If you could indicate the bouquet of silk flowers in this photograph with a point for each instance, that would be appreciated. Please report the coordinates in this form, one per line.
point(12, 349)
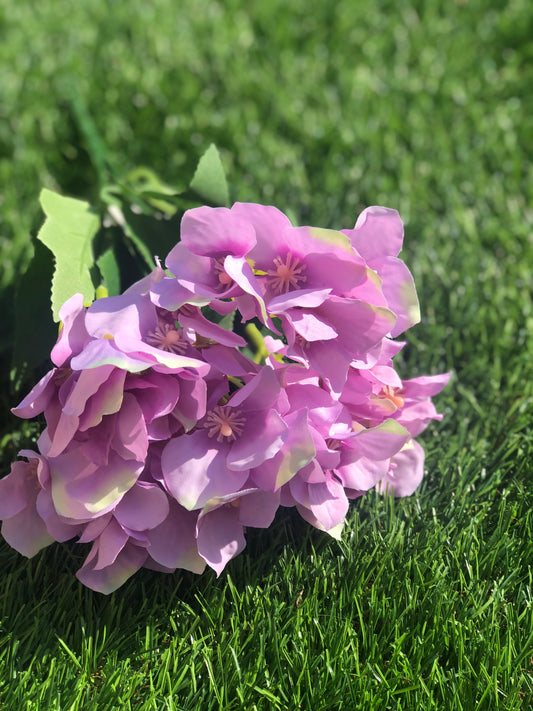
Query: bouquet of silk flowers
point(254, 371)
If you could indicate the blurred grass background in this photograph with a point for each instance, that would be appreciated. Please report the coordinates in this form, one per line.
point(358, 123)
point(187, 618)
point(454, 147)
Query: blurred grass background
point(321, 109)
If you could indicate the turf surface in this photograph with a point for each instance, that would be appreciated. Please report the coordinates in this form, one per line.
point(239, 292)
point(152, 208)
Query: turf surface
point(320, 109)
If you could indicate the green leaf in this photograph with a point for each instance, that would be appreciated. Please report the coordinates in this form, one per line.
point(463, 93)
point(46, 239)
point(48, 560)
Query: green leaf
point(84, 121)
point(159, 234)
point(109, 269)
point(35, 331)
point(117, 209)
point(149, 186)
point(68, 232)
point(209, 181)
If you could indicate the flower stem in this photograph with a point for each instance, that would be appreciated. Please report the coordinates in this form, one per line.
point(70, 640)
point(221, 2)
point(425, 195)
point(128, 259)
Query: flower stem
point(255, 338)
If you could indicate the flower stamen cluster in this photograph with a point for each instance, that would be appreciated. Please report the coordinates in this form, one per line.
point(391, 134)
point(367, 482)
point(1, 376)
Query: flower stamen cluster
point(287, 274)
point(224, 423)
point(167, 338)
point(393, 394)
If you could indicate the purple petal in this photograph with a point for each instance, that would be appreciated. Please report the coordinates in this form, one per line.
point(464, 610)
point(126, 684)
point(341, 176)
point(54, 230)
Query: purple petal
point(131, 438)
point(94, 528)
point(143, 286)
point(380, 442)
point(416, 417)
point(111, 541)
point(345, 274)
point(360, 325)
point(363, 473)
point(263, 436)
point(258, 509)
point(128, 314)
point(406, 472)
point(378, 232)
point(331, 361)
point(103, 352)
point(171, 295)
point(302, 298)
point(107, 401)
point(328, 503)
point(173, 542)
point(298, 450)
point(192, 402)
point(64, 432)
point(81, 489)
point(156, 393)
point(106, 581)
point(241, 273)
point(73, 335)
point(308, 516)
point(26, 532)
point(194, 274)
point(38, 398)
point(383, 374)
point(87, 384)
point(216, 230)
point(260, 393)
point(195, 470)
point(426, 385)
point(228, 361)
point(400, 292)
point(159, 359)
point(220, 537)
point(357, 390)
point(311, 327)
point(312, 473)
point(324, 411)
point(143, 507)
point(211, 330)
point(370, 289)
point(16, 489)
point(269, 224)
point(57, 527)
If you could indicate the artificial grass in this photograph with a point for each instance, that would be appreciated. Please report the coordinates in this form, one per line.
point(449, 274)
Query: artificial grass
point(321, 109)
point(420, 606)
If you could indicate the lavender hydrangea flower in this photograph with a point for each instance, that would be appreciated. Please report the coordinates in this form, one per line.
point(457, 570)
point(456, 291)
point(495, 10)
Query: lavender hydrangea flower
point(164, 439)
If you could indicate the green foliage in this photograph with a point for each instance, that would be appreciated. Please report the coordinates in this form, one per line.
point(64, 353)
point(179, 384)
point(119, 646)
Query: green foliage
point(110, 271)
point(209, 182)
point(32, 315)
point(138, 207)
point(68, 232)
point(321, 108)
point(111, 244)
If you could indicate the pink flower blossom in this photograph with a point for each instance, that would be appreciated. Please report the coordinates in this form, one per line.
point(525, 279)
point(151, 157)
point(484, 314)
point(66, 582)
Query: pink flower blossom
point(165, 437)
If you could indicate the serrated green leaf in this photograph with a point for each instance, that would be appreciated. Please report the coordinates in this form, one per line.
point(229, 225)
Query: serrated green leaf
point(109, 269)
point(68, 232)
point(209, 181)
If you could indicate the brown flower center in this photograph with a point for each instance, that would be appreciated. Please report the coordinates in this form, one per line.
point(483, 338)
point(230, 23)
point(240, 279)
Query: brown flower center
point(390, 393)
point(224, 423)
point(167, 338)
point(287, 274)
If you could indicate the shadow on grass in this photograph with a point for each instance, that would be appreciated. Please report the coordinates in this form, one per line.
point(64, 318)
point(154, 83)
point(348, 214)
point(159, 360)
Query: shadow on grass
point(42, 600)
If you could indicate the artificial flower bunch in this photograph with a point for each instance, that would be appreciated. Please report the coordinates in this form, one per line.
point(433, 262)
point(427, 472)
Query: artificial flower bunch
point(167, 436)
